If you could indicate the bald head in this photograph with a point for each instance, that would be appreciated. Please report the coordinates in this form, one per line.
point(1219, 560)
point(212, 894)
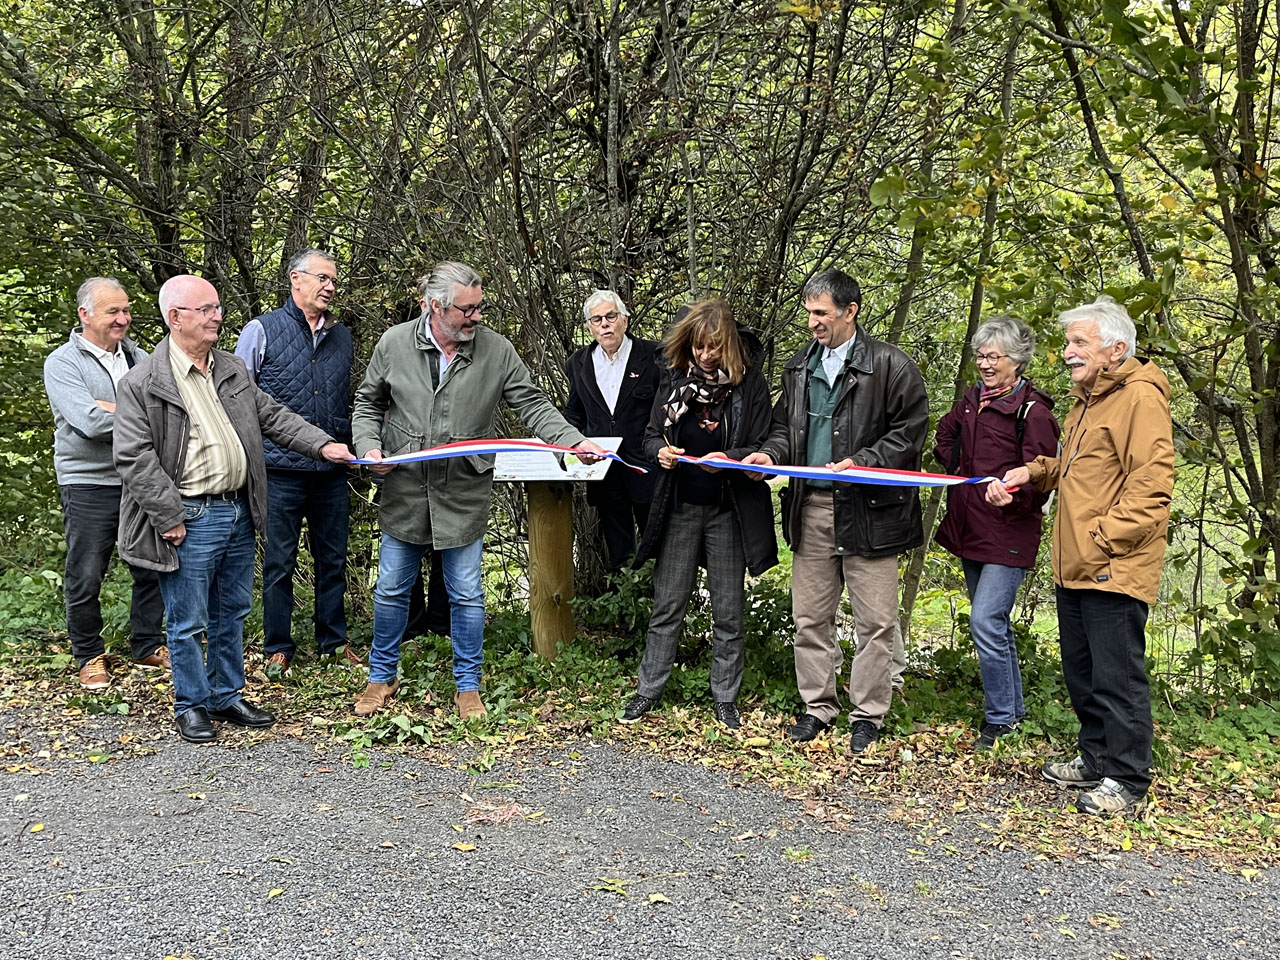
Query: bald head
point(191, 308)
point(185, 290)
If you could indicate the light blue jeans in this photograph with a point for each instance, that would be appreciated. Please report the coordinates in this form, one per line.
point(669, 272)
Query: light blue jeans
point(992, 591)
point(399, 564)
point(208, 596)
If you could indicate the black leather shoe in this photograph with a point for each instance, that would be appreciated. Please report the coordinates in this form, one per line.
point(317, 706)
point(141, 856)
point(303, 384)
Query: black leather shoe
point(807, 727)
point(194, 726)
point(243, 714)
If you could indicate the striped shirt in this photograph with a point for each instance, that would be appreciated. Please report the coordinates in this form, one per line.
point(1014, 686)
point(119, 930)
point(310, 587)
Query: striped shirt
point(216, 461)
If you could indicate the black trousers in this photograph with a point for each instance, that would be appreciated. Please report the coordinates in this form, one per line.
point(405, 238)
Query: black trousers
point(429, 608)
point(90, 522)
point(620, 516)
point(1103, 640)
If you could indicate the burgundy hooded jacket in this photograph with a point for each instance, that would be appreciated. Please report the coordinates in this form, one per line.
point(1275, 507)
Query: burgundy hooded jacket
point(972, 528)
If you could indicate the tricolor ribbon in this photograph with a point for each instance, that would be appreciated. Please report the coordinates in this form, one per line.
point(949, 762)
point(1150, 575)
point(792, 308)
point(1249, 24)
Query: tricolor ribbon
point(881, 476)
point(469, 448)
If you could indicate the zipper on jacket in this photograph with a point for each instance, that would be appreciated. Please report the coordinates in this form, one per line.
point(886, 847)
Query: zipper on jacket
point(1083, 413)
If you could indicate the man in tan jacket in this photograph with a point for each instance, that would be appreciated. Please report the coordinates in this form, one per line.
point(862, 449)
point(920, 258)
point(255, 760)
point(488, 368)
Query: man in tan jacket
point(1114, 474)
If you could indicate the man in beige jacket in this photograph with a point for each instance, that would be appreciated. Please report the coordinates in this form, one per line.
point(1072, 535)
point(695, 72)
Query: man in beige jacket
point(1114, 474)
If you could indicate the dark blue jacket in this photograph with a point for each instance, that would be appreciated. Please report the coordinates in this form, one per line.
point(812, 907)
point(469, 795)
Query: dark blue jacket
point(312, 381)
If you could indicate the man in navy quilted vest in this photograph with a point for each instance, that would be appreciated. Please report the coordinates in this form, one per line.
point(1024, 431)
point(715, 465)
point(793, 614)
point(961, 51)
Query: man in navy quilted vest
point(301, 356)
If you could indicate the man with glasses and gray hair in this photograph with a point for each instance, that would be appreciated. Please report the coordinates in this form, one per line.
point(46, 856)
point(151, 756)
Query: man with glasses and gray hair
point(612, 383)
point(438, 379)
point(1114, 477)
point(80, 378)
point(301, 356)
point(188, 446)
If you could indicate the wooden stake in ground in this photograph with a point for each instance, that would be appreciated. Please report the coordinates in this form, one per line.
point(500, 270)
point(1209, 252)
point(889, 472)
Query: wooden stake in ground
point(550, 564)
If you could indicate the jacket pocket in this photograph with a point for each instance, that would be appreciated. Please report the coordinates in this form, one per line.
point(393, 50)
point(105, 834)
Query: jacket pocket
point(398, 438)
point(891, 517)
point(784, 501)
point(471, 465)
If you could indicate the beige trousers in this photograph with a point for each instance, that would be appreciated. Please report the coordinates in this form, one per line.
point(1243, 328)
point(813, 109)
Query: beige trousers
point(819, 574)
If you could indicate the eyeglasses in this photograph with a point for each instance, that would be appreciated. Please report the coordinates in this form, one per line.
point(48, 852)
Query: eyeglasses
point(207, 311)
point(324, 278)
point(988, 357)
point(613, 316)
point(471, 311)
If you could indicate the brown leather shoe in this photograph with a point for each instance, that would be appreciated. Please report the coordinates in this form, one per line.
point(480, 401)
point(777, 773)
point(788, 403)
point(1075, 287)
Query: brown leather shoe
point(157, 659)
point(96, 674)
point(278, 663)
point(469, 704)
point(376, 696)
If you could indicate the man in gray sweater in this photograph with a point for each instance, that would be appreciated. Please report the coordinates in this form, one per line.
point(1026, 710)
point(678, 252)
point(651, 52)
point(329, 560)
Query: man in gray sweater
point(80, 378)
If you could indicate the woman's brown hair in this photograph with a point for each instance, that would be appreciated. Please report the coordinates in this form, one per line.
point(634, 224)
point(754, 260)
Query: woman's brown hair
point(711, 323)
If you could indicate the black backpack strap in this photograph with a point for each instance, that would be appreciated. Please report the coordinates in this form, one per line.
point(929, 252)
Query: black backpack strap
point(1020, 427)
point(956, 447)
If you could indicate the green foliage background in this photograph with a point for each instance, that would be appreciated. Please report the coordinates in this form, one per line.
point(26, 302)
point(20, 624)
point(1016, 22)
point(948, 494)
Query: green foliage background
point(960, 158)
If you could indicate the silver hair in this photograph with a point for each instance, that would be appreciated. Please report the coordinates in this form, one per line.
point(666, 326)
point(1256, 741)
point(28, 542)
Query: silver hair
point(439, 283)
point(1015, 338)
point(89, 290)
point(168, 296)
point(1113, 321)
point(299, 260)
point(601, 297)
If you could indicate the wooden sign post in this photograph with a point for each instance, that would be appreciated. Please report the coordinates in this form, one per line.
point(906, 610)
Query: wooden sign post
point(550, 564)
point(548, 483)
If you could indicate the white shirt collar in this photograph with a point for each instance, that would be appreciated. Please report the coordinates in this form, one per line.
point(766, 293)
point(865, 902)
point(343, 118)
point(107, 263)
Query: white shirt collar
point(98, 352)
point(620, 355)
point(841, 351)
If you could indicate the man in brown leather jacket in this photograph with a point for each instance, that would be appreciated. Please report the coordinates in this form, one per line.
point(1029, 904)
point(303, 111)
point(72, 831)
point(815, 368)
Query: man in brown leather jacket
point(847, 400)
point(1114, 477)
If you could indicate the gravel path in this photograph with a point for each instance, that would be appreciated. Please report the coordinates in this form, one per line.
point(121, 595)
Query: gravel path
point(281, 850)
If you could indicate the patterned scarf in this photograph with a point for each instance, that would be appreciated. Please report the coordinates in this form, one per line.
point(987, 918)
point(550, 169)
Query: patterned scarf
point(987, 397)
point(695, 386)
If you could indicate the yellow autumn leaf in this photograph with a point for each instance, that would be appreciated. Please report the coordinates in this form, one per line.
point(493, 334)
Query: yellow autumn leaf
point(464, 847)
point(1168, 201)
point(274, 892)
point(37, 828)
point(756, 742)
point(658, 898)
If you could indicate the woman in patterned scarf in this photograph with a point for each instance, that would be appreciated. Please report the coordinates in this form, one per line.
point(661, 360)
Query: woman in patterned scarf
point(712, 402)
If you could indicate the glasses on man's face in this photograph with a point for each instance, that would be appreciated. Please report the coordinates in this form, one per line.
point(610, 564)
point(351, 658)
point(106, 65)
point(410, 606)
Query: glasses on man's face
point(324, 278)
point(611, 317)
point(207, 311)
point(989, 357)
point(471, 311)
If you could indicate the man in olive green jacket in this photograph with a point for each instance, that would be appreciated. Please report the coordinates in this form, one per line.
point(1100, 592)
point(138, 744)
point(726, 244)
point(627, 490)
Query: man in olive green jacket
point(434, 380)
point(1114, 475)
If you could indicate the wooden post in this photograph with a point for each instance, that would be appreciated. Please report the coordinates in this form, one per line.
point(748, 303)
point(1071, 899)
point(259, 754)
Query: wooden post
point(550, 564)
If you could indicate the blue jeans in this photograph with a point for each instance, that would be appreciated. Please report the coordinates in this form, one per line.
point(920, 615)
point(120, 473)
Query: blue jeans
point(399, 564)
point(208, 597)
point(992, 590)
point(321, 497)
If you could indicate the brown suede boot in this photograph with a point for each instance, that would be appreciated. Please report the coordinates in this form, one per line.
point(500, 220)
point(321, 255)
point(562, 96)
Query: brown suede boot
point(376, 697)
point(469, 705)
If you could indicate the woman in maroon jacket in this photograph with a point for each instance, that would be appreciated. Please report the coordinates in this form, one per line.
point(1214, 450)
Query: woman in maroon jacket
point(1002, 422)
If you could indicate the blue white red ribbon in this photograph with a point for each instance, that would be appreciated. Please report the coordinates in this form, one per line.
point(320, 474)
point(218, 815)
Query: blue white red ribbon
point(880, 476)
point(471, 448)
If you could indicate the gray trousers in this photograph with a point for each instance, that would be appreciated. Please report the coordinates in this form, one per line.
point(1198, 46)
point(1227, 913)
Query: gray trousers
point(693, 531)
point(819, 575)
